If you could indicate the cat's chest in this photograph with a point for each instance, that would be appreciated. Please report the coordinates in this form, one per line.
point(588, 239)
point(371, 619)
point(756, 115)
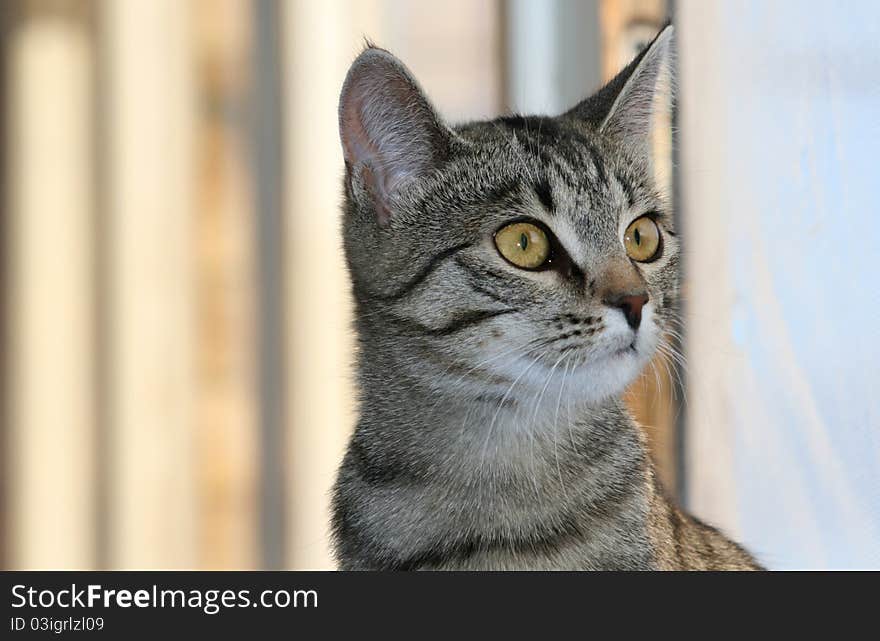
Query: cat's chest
point(443, 532)
point(571, 555)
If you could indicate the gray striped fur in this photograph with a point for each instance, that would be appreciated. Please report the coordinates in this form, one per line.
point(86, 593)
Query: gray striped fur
point(490, 431)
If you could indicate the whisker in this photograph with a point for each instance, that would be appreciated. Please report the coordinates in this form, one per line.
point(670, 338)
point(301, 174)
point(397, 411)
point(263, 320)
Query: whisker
point(520, 350)
point(568, 408)
point(534, 420)
point(556, 432)
point(544, 389)
point(501, 405)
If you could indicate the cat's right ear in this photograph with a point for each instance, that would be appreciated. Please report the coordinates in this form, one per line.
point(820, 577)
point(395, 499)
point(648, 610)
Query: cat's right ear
point(390, 132)
point(622, 109)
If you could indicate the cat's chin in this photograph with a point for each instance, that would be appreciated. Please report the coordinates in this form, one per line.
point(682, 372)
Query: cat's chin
point(608, 374)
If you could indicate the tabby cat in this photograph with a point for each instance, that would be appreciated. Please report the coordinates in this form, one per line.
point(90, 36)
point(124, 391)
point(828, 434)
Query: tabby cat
point(510, 278)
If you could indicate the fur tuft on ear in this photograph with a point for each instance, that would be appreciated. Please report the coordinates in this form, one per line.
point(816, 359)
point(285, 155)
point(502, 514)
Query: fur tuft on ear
point(622, 109)
point(390, 132)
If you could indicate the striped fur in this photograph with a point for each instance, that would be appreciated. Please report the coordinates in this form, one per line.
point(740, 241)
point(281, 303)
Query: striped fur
point(490, 434)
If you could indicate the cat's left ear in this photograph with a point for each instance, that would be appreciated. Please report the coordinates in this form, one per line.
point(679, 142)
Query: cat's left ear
point(622, 109)
point(390, 133)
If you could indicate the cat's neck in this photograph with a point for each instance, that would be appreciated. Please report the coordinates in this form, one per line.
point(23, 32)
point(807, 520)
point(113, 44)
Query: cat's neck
point(446, 474)
point(504, 433)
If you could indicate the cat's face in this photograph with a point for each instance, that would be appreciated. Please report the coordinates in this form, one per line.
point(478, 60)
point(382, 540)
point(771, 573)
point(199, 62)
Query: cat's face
point(515, 252)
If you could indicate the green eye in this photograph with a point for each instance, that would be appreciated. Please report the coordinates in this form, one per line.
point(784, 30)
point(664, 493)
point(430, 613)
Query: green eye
point(523, 244)
point(642, 239)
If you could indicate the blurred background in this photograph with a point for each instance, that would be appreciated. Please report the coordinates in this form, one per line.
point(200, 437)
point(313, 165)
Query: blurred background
point(175, 322)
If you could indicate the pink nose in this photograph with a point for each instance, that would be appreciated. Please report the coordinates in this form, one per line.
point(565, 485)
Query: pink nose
point(631, 306)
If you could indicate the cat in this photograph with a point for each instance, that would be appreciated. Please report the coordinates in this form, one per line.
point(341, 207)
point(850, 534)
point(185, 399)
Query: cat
point(510, 278)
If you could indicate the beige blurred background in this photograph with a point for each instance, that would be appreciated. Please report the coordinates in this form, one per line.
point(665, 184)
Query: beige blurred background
point(176, 344)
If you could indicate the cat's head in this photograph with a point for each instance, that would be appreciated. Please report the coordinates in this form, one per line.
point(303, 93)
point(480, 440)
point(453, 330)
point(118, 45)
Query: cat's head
point(511, 250)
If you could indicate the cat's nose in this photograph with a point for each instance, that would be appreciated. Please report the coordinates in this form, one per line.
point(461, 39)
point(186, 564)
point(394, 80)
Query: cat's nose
point(631, 306)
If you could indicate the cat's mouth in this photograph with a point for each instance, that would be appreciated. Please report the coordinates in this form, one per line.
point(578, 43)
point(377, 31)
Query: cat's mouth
point(628, 350)
point(618, 348)
point(625, 350)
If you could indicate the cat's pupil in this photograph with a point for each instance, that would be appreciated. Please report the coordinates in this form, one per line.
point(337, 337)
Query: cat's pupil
point(637, 236)
point(523, 241)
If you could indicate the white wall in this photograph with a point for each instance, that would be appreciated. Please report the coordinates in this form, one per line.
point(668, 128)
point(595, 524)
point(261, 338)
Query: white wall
point(779, 137)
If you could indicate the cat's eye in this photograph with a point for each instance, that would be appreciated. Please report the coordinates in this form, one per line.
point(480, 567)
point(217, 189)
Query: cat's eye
point(642, 239)
point(523, 244)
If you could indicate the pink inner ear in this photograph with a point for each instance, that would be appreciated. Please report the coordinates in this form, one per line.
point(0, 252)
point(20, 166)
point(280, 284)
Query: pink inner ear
point(363, 156)
point(378, 196)
point(356, 145)
point(389, 131)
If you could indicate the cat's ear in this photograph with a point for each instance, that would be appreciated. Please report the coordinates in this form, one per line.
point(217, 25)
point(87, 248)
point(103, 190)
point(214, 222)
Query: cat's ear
point(390, 132)
point(622, 109)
